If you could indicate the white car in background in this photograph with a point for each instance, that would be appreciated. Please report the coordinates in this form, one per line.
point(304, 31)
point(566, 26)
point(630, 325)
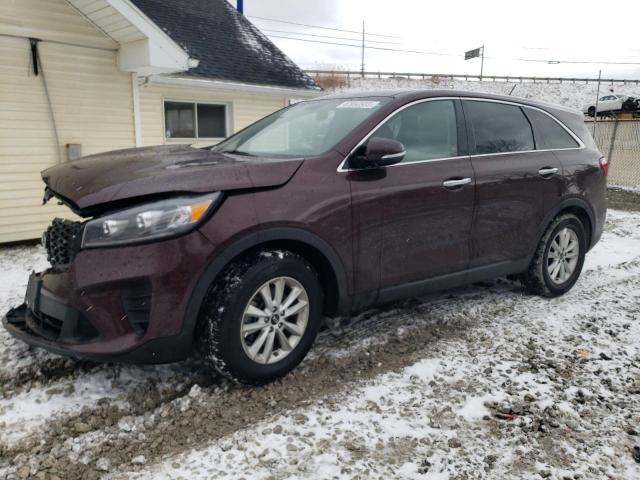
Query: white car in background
point(608, 103)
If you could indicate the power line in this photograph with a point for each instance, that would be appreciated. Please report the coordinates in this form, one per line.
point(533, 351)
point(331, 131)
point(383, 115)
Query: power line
point(318, 26)
point(367, 47)
point(585, 62)
point(422, 52)
point(330, 37)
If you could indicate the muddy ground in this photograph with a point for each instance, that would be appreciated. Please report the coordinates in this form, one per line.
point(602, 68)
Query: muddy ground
point(560, 381)
point(622, 199)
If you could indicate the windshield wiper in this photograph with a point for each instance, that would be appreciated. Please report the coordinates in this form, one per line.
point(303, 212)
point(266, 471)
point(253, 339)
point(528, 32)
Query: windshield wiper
point(238, 152)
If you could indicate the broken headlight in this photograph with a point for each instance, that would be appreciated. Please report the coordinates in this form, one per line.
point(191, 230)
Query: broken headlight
point(151, 221)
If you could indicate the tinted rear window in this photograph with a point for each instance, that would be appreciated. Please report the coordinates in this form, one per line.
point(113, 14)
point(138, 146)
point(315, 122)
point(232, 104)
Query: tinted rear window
point(549, 133)
point(499, 127)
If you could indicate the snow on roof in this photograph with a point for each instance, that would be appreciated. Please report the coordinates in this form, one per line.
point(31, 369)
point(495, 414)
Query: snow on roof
point(227, 45)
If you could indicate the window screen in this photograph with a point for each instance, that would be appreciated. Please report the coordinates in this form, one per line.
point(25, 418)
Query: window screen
point(195, 120)
point(427, 130)
point(549, 133)
point(499, 127)
point(180, 120)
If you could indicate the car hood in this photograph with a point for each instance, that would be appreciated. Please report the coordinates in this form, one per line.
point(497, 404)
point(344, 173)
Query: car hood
point(121, 175)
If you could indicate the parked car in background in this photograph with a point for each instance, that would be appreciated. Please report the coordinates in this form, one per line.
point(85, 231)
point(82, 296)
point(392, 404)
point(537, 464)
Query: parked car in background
point(606, 104)
point(321, 209)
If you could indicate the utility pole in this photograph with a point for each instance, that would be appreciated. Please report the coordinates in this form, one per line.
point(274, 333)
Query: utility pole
point(362, 64)
point(482, 63)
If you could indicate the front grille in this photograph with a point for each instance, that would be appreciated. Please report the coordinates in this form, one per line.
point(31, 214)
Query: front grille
point(62, 242)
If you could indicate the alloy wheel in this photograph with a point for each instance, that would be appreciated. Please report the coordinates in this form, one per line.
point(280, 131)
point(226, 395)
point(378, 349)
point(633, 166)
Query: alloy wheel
point(274, 320)
point(563, 256)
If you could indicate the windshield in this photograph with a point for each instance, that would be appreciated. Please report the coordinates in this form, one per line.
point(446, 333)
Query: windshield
point(304, 129)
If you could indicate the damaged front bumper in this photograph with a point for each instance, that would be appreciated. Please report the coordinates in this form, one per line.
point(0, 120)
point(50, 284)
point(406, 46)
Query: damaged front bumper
point(45, 321)
point(124, 304)
point(19, 322)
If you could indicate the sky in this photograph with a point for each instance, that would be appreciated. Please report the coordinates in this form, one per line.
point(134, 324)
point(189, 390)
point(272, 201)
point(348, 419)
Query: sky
point(546, 30)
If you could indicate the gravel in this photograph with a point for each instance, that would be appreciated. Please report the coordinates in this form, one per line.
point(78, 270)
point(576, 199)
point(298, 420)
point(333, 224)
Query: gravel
point(479, 382)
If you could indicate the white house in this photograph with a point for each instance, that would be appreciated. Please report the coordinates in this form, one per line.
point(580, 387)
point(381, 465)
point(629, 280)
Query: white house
point(84, 76)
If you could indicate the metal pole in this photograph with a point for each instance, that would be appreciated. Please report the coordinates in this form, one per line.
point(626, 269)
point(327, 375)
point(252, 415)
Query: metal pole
point(595, 114)
point(482, 63)
point(362, 66)
point(613, 139)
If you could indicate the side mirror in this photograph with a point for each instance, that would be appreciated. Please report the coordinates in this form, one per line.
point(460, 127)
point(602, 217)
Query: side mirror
point(380, 152)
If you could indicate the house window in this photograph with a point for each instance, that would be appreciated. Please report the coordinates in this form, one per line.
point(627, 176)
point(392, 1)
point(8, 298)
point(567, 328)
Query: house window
point(195, 120)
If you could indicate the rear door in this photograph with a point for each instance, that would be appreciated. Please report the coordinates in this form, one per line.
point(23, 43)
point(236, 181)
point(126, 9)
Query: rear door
point(517, 182)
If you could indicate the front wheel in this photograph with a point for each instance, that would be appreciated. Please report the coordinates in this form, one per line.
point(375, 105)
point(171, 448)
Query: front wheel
point(559, 258)
point(260, 317)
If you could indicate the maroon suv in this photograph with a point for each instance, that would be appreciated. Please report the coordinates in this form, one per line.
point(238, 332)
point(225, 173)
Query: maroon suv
point(323, 208)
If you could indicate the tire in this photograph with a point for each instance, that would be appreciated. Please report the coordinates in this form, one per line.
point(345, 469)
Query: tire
point(591, 111)
point(542, 278)
point(229, 307)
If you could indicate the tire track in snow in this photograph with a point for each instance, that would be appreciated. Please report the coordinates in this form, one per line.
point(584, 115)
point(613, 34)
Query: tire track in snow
point(444, 315)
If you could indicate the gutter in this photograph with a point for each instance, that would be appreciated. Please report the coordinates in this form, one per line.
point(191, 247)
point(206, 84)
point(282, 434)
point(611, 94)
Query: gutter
point(234, 86)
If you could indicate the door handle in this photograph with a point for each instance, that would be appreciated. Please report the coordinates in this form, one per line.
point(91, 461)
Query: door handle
point(456, 182)
point(547, 171)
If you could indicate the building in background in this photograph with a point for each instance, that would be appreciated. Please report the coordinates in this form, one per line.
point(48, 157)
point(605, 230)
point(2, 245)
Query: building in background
point(85, 76)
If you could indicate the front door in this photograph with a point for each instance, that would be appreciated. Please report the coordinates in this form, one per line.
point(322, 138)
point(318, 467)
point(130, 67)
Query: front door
point(414, 218)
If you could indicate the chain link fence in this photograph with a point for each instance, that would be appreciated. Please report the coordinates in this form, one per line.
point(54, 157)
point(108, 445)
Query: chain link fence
point(619, 141)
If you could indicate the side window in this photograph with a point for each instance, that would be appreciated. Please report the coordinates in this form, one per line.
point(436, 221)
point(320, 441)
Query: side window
point(499, 127)
point(195, 120)
point(549, 133)
point(427, 130)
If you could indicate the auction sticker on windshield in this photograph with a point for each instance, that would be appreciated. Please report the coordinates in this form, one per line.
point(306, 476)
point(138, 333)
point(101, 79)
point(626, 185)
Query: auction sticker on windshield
point(366, 104)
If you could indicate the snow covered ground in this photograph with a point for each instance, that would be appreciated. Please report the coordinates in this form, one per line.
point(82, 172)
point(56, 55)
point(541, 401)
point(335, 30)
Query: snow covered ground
point(574, 95)
point(480, 382)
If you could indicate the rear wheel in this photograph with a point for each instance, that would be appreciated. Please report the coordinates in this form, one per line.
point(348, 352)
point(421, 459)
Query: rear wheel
point(559, 258)
point(591, 111)
point(260, 317)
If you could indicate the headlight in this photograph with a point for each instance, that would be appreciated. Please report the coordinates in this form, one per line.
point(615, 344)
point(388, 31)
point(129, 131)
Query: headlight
point(151, 221)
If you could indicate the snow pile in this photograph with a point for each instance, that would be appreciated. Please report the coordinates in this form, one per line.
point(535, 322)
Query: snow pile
point(574, 95)
point(480, 382)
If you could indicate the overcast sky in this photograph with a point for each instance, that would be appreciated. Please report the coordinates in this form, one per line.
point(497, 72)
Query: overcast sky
point(547, 30)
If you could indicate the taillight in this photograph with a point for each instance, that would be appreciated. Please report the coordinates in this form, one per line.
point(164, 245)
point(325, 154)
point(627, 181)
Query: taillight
point(604, 166)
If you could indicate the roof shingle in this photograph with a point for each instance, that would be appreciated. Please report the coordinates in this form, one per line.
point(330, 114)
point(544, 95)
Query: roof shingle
point(228, 46)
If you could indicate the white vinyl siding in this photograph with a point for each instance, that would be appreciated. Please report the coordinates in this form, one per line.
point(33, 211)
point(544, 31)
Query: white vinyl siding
point(92, 104)
point(54, 20)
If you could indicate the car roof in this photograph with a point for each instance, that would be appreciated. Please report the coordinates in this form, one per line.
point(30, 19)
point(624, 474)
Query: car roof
point(411, 95)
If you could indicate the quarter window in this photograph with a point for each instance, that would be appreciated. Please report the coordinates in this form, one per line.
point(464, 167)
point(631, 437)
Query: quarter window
point(499, 127)
point(549, 133)
point(427, 130)
point(195, 120)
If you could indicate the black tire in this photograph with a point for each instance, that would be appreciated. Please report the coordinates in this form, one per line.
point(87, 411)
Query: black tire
point(591, 111)
point(218, 337)
point(537, 279)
